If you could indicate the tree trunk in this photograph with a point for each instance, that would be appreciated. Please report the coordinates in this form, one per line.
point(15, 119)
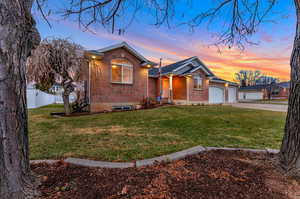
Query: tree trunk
point(68, 89)
point(18, 36)
point(66, 103)
point(290, 148)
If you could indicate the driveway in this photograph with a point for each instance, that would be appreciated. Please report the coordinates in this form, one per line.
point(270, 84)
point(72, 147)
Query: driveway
point(268, 107)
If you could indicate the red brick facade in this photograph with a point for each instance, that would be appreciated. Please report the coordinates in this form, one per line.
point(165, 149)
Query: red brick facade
point(198, 95)
point(104, 94)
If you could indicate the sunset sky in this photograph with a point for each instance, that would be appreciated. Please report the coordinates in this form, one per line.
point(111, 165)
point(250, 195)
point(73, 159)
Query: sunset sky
point(271, 55)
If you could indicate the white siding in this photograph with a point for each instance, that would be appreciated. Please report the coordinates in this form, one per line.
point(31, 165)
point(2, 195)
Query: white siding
point(250, 95)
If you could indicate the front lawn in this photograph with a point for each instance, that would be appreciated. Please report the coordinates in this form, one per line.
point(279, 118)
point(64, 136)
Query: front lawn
point(126, 136)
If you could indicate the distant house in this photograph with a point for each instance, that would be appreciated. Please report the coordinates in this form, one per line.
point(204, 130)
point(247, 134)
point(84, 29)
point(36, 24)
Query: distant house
point(280, 90)
point(260, 92)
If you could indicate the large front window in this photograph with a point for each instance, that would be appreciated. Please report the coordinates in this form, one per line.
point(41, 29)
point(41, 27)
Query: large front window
point(198, 83)
point(122, 71)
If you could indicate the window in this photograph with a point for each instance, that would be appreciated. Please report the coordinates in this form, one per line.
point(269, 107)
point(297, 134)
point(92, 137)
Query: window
point(122, 71)
point(198, 83)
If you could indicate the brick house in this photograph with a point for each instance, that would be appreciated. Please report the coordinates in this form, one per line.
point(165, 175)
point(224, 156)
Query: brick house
point(190, 82)
point(118, 77)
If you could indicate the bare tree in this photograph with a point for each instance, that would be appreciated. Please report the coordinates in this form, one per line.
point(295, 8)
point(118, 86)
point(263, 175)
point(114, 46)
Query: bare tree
point(247, 77)
point(18, 36)
point(61, 58)
point(245, 16)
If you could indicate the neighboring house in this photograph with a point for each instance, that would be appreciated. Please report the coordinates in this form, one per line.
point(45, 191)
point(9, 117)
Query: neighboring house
point(191, 82)
point(256, 92)
point(280, 90)
point(120, 77)
point(260, 92)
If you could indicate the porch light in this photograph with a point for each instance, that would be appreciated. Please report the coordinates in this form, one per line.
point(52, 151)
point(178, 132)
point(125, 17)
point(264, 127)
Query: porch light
point(149, 66)
point(114, 66)
point(226, 85)
point(93, 57)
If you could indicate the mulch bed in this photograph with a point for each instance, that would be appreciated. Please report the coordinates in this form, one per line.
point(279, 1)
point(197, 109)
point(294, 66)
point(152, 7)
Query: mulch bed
point(210, 175)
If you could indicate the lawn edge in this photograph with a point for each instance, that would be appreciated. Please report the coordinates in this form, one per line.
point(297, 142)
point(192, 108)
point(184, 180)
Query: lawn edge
point(151, 161)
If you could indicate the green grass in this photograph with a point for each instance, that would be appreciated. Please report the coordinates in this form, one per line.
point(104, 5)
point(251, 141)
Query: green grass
point(125, 136)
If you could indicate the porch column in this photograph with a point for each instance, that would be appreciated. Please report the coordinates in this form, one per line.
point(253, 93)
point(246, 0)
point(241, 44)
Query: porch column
point(187, 90)
point(170, 88)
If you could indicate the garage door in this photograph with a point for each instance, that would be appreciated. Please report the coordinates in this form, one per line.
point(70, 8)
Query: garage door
point(232, 95)
point(254, 96)
point(216, 95)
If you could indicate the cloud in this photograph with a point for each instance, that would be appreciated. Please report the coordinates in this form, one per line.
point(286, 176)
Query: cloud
point(173, 46)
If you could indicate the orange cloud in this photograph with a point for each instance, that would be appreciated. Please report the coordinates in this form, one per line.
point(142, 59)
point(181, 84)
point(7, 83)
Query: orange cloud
point(223, 64)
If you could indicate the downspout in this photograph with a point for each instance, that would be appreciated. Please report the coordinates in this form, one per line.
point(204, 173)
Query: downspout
point(160, 82)
point(90, 64)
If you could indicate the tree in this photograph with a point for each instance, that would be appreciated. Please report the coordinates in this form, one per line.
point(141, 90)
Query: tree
point(265, 80)
point(247, 77)
point(244, 20)
point(60, 59)
point(18, 37)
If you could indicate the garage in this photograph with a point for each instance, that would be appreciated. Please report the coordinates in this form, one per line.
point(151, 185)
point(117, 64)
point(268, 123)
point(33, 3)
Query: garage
point(251, 95)
point(216, 95)
point(232, 93)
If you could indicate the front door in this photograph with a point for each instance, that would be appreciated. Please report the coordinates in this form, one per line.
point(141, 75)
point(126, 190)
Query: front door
point(165, 90)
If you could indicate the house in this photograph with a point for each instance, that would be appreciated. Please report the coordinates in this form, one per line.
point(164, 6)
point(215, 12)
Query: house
point(280, 90)
point(190, 81)
point(119, 77)
point(268, 91)
point(255, 92)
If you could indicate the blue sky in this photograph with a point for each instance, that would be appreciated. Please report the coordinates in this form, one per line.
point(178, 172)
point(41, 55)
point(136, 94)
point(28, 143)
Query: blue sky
point(271, 55)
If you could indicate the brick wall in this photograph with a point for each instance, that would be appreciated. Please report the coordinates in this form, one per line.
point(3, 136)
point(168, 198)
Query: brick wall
point(104, 94)
point(153, 87)
point(198, 95)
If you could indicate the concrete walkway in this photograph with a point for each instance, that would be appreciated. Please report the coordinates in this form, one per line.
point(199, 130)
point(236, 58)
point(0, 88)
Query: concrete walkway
point(267, 107)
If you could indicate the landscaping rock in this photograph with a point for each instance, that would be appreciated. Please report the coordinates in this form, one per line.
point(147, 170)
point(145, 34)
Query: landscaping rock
point(43, 161)
point(92, 163)
point(170, 157)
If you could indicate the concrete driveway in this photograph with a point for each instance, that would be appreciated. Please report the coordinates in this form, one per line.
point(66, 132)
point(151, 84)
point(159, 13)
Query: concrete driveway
point(268, 107)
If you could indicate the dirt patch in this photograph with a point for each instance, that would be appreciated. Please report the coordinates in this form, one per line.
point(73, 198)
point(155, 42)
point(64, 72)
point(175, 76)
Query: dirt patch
point(210, 175)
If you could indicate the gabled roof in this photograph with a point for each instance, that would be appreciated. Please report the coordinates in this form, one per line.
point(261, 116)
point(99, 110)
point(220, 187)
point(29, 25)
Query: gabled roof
point(259, 87)
point(191, 64)
point(254, 87)
point(127, 47)
point(216, 79)
point(284, 84)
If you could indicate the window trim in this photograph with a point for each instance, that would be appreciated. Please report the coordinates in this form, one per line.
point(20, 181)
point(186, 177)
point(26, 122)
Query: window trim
point(122, 65)
point(200, 79)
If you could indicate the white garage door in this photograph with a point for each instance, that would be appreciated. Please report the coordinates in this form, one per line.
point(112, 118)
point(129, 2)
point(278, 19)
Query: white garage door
point(216, 95)
point(254, 96)
point(232, 95)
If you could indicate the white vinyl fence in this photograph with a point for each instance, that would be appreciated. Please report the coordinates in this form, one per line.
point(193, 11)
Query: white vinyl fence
point(37, 98)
